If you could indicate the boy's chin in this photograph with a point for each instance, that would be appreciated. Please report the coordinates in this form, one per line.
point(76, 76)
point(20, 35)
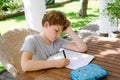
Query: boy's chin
point(53, 40)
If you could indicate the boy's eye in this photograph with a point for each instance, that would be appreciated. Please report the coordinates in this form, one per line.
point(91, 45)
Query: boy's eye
point(56, 30)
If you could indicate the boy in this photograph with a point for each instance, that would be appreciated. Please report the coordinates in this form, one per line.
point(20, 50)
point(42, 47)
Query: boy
point(37, 48)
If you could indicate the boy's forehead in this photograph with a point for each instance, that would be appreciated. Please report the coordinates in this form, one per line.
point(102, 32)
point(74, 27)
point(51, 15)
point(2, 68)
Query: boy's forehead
point(60, 27)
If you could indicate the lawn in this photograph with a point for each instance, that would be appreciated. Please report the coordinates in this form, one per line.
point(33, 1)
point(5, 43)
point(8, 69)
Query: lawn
point(1, 67)
point(70, 9)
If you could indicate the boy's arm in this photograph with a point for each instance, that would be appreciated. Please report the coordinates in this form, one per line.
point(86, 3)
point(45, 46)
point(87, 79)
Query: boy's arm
point(77, 44)
point(28, 64)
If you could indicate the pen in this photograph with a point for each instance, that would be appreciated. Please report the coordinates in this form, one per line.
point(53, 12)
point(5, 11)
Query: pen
point(64, 54)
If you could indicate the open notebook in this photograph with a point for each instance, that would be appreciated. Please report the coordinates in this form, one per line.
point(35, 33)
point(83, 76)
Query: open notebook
point(76, 59)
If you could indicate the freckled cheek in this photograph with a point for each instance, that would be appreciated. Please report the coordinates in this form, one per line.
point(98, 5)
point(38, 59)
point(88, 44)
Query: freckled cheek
point(58, 34)
point(52, 36)
point(55, 36)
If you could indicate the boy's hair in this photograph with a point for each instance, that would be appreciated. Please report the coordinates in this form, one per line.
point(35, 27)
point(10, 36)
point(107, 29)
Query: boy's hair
point(56, 18)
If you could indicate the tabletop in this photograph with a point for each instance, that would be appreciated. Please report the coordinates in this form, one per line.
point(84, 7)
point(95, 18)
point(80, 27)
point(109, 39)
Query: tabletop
point(107, 54)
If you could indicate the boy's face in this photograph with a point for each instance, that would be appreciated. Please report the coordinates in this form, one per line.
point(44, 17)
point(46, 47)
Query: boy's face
point(53, 32)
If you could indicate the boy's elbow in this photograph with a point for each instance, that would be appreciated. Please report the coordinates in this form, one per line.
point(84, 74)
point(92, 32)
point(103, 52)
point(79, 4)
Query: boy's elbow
point(84, 49)
point(25, 67)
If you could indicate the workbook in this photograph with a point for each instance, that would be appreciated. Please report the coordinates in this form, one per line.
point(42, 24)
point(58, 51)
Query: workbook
point(76, 59)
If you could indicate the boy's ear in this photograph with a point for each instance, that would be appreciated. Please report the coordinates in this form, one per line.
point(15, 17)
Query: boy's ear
point(46, 24)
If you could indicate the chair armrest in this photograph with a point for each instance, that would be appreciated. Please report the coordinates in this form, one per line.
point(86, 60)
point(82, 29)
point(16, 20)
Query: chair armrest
point(9, 67)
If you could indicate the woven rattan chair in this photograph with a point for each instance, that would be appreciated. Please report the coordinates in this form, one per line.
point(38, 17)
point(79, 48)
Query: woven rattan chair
point(10, 44)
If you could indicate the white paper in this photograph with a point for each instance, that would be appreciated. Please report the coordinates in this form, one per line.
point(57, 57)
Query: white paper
point(76, 59)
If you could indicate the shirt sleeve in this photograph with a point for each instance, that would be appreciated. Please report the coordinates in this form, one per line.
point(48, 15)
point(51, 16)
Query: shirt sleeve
point(28, 45)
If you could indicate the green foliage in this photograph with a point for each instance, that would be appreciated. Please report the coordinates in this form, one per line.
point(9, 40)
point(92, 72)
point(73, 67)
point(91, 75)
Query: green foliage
point(1, 67)
point(48, 2)
point(113, 10)
point(12, 5)
point(6, 5)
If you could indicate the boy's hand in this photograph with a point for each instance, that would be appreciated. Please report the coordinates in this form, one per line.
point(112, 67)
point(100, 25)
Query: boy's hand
point(62, 62)
point(69, 30)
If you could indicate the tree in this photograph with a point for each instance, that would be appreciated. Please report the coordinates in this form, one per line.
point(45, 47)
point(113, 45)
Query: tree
point(48, 2)
point(83, 8)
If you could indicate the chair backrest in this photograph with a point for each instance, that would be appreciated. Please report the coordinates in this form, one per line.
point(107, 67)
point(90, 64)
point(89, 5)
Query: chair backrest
point(10, 44)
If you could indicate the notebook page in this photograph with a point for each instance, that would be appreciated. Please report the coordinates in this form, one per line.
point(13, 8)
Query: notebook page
point(76, 59)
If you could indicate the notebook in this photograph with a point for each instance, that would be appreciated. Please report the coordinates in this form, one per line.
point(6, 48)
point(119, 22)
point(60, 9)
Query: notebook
point(76, 59)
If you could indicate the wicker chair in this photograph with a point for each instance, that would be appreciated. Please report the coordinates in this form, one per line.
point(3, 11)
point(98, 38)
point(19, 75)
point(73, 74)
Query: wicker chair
point(10, 44)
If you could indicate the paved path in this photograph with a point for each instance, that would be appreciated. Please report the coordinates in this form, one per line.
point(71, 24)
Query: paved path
point(5, 75)
point(89, 30)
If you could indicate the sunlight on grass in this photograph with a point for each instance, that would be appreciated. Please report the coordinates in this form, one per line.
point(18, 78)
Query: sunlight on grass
point(1, 67)
point(70, 9)
point(12, 23)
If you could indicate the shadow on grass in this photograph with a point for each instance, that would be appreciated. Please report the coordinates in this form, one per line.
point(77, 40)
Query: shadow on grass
point(80, 24)
point(59, 5)
point(77, 21)
point(92, 15)
point(17, 18)
point(71, 15)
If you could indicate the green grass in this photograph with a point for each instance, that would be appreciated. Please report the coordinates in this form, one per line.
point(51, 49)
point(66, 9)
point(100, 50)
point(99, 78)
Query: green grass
point(1, 67)
point(70, 10)
point(12, 23)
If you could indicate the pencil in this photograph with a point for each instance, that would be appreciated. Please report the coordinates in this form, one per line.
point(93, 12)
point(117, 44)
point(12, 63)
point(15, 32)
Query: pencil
point(64, 54)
